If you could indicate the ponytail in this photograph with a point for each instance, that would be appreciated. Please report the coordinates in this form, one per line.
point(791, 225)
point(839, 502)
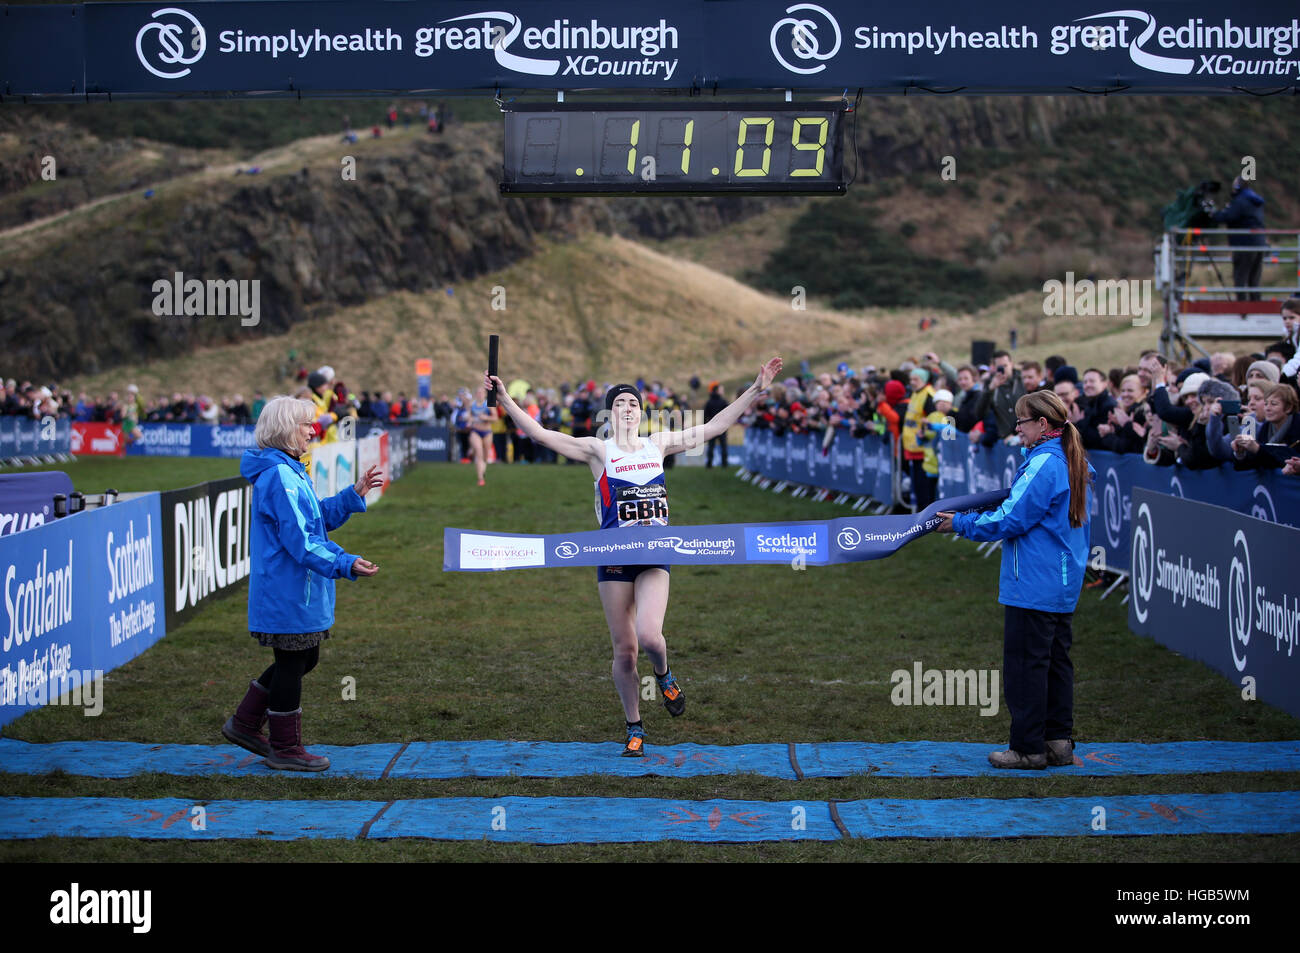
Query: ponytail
point(1076, 462)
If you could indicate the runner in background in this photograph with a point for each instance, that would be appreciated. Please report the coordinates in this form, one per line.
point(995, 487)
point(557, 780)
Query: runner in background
point(480, 430)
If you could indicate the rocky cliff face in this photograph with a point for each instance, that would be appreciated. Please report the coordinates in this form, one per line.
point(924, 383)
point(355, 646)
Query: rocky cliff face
point(423, 214)
point(898, 135)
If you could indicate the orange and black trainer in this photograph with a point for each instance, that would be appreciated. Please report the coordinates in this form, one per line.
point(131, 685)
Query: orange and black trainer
point(674, 700)
point(635, 747)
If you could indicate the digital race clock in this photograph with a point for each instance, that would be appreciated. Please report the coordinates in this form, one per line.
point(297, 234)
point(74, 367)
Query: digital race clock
point(637, 149)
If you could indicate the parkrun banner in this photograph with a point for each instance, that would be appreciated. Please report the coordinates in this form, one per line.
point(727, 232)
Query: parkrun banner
point(205, 543)
point(859, 465)
point(30, 437)
point(81, 595)
point(192, 440)
point(27, 499)
point(1219, 587)
point(851, 539)
point(279, 47)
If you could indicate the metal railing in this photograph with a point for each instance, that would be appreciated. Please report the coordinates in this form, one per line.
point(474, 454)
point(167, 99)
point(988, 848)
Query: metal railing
point(1201, 301)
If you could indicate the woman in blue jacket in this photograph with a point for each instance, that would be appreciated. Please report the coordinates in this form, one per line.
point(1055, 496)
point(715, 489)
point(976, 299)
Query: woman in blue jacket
point(1044, 527)
point(291, 582)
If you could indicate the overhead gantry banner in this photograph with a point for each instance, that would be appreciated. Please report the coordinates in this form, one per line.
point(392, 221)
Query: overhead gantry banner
point(299, 48)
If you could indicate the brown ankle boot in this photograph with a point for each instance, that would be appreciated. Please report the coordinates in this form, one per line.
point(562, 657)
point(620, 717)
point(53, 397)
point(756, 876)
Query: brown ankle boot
point(287, 752)
point(244, 727)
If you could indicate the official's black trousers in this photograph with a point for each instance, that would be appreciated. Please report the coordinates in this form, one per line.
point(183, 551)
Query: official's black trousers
point(1038, 677)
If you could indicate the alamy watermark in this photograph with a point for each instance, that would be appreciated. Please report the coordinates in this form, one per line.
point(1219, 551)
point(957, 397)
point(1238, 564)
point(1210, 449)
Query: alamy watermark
point(932, 686)
point(1110, 297)
point(189, 297)
point(82, 906)
point(659, 421)
point(30, 686)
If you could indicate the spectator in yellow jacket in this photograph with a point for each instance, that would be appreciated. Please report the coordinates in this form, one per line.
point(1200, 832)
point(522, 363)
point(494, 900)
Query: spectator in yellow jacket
point(919, 407)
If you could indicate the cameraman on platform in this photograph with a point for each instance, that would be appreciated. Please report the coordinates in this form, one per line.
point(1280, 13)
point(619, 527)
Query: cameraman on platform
point(1245, 211)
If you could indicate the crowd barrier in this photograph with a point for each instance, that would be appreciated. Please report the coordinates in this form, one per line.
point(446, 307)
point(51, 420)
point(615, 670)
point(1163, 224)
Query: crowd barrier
point(205, 543)
point(82, 595)
point(864, 466)
point(194, 440)
point(433, 443)
point(88, 592)
point(1218, 586)
point(24, 438)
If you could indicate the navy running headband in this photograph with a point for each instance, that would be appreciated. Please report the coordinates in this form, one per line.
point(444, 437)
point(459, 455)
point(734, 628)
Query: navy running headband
point(617, 389)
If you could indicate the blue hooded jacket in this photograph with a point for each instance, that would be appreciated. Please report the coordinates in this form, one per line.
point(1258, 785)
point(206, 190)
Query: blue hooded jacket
point(294, 565)
point(1043, 556)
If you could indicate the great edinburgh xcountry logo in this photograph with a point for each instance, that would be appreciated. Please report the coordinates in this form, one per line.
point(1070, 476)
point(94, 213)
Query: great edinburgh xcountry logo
point(180, 42)
point(1176, 487)
point(1113, 507)
point(1143, 560)
point(1240, 590)
point(1213, 44)
point(800, 38)
point(586, 48)
point(1118, 36)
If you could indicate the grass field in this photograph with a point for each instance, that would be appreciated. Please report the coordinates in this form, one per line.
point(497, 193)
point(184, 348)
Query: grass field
point(764, 654)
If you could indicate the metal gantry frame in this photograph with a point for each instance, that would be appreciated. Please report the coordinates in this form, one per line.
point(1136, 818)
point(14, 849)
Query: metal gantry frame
point(1197, 299)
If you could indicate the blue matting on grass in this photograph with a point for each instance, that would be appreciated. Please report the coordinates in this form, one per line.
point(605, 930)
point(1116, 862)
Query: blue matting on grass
point(548, 759)
point(911, 759)
point(553, 820)
point(545, 759)
point(1273, 812)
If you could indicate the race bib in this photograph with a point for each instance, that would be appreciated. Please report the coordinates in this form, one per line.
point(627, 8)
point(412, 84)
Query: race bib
point(642, 505)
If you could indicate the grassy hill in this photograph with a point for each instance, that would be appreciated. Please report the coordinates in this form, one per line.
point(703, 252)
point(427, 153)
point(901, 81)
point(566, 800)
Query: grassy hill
point(1043, 185)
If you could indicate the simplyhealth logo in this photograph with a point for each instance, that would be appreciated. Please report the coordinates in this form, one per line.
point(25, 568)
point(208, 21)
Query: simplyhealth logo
point(1142, 563)
point(1241, 588)
point(802, 42)
point(180, 41)
point(783, 542)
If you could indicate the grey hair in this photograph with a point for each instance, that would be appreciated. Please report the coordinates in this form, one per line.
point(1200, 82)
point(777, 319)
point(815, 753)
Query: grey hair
point(1215, 389)
point(279, 420)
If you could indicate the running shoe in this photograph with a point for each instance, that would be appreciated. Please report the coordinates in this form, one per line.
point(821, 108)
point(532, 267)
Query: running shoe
point(635, 747)
point(674, 700)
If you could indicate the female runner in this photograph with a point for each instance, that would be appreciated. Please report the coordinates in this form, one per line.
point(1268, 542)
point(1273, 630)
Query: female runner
point(480, 431)
point(630, 491)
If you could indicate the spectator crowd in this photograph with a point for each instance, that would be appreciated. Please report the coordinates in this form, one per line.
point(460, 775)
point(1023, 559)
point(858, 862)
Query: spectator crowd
point(1242, 409)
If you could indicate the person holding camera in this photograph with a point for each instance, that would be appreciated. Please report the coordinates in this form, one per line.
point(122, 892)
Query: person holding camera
point(1002, 388)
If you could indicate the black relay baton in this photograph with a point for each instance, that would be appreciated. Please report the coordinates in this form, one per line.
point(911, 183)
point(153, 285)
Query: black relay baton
point(494, 341)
